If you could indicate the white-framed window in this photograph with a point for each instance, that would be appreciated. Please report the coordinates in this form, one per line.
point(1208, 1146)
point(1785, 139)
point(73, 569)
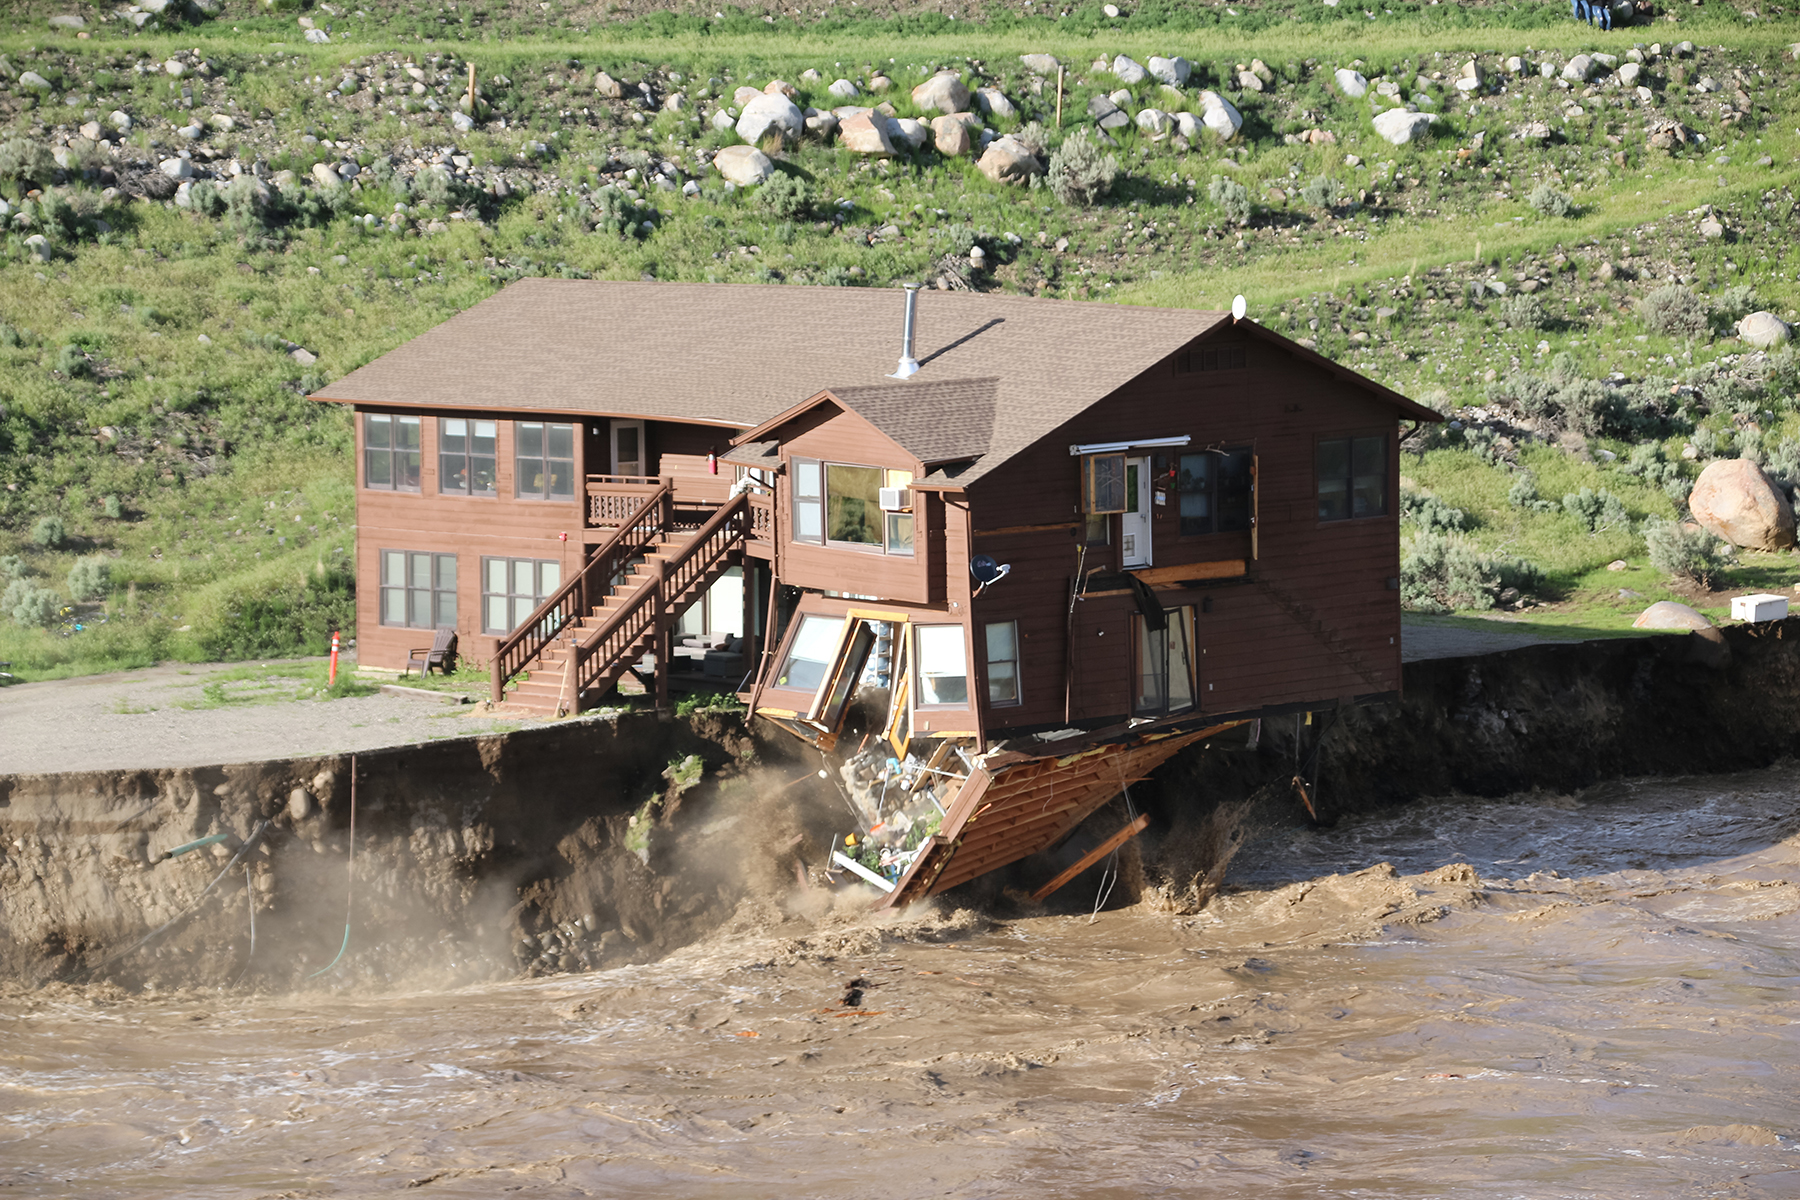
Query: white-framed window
point(810, 657)
point(418, 589)
point(512, 588)
point(839, 504)
point(466, 456)
point(1002, 644)
point(544, 457)
point(390, 452)
point(941, 655)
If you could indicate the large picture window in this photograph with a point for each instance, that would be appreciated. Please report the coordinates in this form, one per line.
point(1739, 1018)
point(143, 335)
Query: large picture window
point(943, 665)
point(1353, 477)
point(839, 504)
point(1215, 491)
point(390, 452)
point(544, 454)
point(512, 588)
point(1164, 665)
point(466, 456)
point(418, 589)
point(1003, 662)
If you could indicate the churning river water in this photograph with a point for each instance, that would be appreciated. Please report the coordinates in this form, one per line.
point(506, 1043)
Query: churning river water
point(1544, 996)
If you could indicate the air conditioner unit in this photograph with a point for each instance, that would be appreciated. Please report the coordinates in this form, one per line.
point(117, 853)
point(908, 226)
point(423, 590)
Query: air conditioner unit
point(896, 499)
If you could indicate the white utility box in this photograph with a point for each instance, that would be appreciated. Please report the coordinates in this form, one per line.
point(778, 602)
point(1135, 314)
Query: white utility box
point(1764, 606)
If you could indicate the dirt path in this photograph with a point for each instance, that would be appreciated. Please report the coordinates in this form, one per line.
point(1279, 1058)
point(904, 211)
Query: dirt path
point(164, 717)
point(1466, 637)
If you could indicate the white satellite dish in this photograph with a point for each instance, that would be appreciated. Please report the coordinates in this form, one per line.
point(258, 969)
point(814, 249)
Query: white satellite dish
point(1238, 308)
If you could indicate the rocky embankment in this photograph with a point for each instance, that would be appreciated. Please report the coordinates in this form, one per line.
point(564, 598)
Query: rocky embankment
point(569, 848)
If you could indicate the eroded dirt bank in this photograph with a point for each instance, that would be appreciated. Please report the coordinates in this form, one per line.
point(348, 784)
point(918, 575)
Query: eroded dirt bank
point(599, 844)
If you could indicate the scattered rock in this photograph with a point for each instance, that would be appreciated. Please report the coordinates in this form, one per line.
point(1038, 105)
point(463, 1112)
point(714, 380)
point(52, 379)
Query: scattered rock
point(1248, 83)
point(993, 103)
point(1188, 126)
point(33, 82)
point(865, 133)
point(1734, 500)
point(303, 356)
point(821, 125)
point(177, 168)
point(843, 89)
point(950, 135)
point(1579, 69)
point(1129, 71)
point(880, 83)
point(1154, 122)
point(318, 37)
point(1628, 74)
point(907, 130)
point(1218, 115)
point(1712, 228)
point(299, 805)
point(944, 92)
point(745, 166)
point(1618, 564)
point(39, 246)
point(1400, 127)
point(326, 176)
point(1106, 114)
point(1008, 161)
point(462, 122)
point(1764, 330)
point(1352, 83)
point(1172, 71)
point(1041, 64)
point(68, 21)
point(770, 114)
point(745, 95)
point(780, 87)
point(1710, 646)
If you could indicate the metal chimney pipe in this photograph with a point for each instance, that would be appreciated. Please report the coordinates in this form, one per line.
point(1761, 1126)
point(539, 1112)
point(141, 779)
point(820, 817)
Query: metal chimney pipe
point(909, 366)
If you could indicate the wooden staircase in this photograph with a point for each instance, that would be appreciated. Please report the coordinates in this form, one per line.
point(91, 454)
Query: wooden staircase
point(624, 604)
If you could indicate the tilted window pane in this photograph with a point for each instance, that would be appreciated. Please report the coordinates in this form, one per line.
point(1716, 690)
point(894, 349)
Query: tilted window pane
point(1181, 664)
point(853, 504)
point(1153, 666)
point(814, 647)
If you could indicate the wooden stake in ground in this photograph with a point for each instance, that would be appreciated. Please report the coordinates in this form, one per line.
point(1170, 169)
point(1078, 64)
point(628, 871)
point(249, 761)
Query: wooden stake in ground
point(1059, 90)
point(471, 89)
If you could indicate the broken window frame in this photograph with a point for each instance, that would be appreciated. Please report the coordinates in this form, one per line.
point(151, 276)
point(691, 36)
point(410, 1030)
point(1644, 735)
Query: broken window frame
point(1163, 657)
point(1103, 483)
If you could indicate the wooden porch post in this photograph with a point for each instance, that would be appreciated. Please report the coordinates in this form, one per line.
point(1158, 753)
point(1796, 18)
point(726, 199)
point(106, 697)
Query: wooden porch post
point(664, 640)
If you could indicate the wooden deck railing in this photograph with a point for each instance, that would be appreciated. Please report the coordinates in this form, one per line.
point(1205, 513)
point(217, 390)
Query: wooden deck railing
point(762, 520)
point(674, 583)
point(637, 532)
point(614, 499)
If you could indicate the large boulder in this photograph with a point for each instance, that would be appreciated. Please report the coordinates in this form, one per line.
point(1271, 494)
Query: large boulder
point(904, 131)
point(745, 166)
point(1040, 64)
point(1172, 71)
point(1008, 161)
point(865, 133)
point(1709, 645)
point(768, 114)
point(951, 135)
point(1352, 83)
point(944, 92)
point(993, 103)
point(1154, 122)
point(1579, 69)
point(1400, 127)
point(1129, 71)
point(1218, 115)
point(1734, 500)
point(1764, 330)
point(1106, 114)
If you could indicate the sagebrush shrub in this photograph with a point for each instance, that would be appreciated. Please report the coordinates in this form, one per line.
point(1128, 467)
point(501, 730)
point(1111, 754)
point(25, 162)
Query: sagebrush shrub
point(28, 604)
point(1079, 173)
point(89, 578)
point(1442, 574)
point(1547, 201)
point(1520, 311)
point(12, 567)
point(1320, 192)
point(1685, 551)
point(1736, 302)
point(1232, 197)
point(789, 197)
point(23, 159)
point(1597, 510)
point(1675, 311)
point(1432, 514)
point(49, 532)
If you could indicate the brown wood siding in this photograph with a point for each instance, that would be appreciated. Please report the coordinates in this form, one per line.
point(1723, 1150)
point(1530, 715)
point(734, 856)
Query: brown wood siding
point(470, 527)
point(1312, 622)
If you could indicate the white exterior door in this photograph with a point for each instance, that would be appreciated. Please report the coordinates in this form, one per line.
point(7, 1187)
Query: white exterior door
point(1134, 523)
point(628, 448)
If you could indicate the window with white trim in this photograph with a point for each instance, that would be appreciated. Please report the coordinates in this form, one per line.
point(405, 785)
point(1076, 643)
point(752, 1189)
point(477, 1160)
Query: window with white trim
point(544, 456)
point(941, 653)
point(1002, 639)
point(390, 452)
point(418, 589)
point(512, 588)
point(466, 456)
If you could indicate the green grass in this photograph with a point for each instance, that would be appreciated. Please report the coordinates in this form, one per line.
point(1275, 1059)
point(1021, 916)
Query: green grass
point(213, 452)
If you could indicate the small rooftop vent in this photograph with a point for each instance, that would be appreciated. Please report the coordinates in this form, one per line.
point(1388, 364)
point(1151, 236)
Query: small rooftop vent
point(909, 366)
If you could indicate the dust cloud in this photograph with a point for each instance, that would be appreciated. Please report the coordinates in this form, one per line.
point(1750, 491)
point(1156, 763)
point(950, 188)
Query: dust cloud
point(1542, 996)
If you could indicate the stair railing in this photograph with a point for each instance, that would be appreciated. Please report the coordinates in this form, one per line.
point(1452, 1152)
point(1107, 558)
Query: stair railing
point(585, 589)
point(674, 585)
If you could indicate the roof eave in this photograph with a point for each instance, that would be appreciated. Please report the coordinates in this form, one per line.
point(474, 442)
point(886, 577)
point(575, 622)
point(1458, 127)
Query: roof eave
point(1409, 408)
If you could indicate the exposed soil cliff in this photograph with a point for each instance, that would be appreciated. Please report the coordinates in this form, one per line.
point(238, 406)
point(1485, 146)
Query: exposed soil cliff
point(603, 842)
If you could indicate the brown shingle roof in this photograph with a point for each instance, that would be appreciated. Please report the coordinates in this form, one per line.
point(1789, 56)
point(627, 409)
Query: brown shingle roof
point(738, 354)
point(940, 420)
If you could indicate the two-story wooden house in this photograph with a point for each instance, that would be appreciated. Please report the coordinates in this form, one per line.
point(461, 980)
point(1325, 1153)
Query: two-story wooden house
point(1007, 567)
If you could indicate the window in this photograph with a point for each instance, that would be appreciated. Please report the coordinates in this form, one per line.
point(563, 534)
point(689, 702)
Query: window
point(512, 588)
point(1165, 665)
point(465, 457)
point(1003, 662)
point(545, 455)
point(809, 501)
point(418, 590)
point(1353, 477)
point(899, 524)
point(1103, 483)
point(853, 505)
point(943, 665)
point(814, 649)
point(391, 452)
point(1215, 491)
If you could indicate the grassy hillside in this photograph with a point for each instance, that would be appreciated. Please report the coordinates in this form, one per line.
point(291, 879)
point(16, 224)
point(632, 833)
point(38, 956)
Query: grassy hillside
point(156, 346)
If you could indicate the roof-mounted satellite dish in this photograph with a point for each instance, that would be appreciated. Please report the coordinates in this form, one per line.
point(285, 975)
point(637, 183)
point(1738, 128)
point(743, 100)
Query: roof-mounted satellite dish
point(986, 570)
point(1238, 308)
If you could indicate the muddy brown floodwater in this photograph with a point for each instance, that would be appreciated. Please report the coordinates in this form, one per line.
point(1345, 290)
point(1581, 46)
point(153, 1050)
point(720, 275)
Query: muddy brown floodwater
point(1582, 995)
